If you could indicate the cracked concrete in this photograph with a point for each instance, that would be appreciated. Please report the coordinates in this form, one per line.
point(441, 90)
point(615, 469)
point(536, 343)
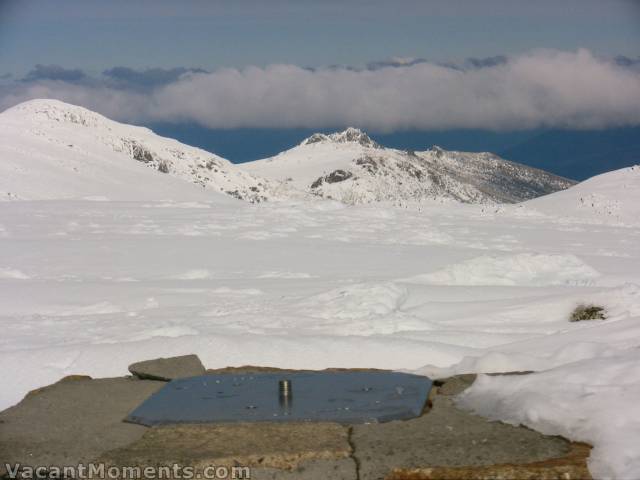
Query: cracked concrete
point(79, 420)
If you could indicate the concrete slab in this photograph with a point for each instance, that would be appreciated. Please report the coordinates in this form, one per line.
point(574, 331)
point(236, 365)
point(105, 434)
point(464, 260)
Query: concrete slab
point(294, 450)
point(572, 466)
point(167, 369)
point(447, 436)
point(78, 420)
point(344, 469)
point(72, 421)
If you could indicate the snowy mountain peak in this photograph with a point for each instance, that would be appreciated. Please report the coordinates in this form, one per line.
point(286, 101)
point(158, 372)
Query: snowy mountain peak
point(49, 110)
point(349, 135)
point(354, 135)
point(81, 152)
point(358, 170)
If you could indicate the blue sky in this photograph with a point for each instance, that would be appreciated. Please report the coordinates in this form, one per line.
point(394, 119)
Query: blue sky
point(379, 65)
point(94, 35)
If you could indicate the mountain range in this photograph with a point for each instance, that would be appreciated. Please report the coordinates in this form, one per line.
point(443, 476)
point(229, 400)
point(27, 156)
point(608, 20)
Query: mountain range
point(51, 149)
point(574, 154)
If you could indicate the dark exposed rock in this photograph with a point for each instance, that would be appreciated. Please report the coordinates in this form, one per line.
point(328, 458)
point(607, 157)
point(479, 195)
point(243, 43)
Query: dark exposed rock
point(235, 194)
point(438, 152)
point(140, 153)
point(163, 166)
point(317, 183)
point(315, 138)
point(334, 177)
point(210, 164)
point(350, 135)
point(368, 164)
point(338, 176)
point(411, 169)
point(354, 135)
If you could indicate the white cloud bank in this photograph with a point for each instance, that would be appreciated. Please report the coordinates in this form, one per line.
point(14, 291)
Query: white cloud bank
point(537, 89)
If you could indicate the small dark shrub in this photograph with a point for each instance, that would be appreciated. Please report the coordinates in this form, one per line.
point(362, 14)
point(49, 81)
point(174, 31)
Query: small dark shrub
point(587, 312)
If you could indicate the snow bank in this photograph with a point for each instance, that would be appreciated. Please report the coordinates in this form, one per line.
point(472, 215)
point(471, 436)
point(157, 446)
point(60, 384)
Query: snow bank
point(521, 269)
point(356, 301)
point(510, 361)
point(594, 401)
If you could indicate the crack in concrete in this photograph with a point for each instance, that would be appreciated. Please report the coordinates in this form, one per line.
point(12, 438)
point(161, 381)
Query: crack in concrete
point(353, 455)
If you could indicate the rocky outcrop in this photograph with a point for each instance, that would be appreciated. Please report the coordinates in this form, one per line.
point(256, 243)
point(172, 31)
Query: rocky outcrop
point(334, 177)
point(350, 135)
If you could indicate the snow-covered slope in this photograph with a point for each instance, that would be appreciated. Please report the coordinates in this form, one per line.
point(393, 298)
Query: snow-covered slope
point(350, 167)
point(90, 287)
point(50, 149)
point(613, 197)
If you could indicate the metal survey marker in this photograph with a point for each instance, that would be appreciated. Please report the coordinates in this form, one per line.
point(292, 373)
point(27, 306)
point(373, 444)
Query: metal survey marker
point(344, 397)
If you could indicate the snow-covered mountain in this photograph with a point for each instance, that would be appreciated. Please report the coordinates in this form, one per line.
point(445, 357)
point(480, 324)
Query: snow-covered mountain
point(50, 149)
point(350, 167)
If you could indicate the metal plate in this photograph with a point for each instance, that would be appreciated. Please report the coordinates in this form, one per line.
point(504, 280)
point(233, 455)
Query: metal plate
point(344, 397)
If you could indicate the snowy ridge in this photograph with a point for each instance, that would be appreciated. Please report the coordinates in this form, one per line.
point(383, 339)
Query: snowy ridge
point(69, 140)
point(612, 197)
point(350, 167)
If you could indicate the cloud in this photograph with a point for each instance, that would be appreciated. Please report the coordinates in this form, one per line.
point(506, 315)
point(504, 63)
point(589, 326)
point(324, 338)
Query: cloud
point(55, 72)
point(124, 77)
point(557, 89)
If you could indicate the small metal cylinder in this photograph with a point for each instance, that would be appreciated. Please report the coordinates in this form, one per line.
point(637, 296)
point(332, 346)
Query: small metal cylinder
point(285, 388)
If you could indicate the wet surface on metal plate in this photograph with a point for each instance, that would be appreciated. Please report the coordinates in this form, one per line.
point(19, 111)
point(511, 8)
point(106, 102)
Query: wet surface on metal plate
point(344, 397)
